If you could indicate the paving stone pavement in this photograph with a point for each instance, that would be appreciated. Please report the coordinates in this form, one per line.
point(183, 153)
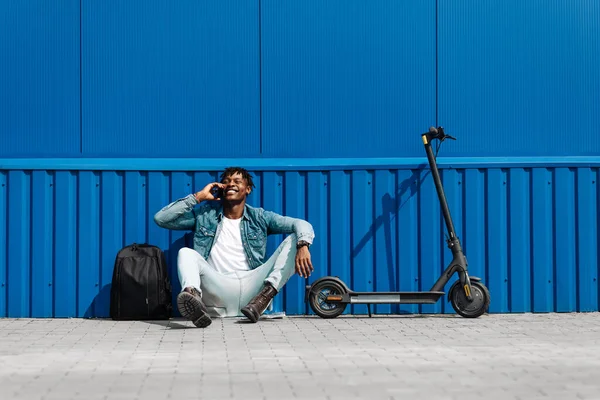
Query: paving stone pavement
point(516, 356)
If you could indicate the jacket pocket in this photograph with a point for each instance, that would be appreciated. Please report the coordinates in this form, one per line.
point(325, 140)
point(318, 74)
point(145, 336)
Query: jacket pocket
point(203, 240)
point(202, 231)
point(256, 238)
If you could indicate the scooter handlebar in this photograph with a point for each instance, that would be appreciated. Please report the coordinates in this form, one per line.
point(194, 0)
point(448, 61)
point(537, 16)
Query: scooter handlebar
point(438, 133)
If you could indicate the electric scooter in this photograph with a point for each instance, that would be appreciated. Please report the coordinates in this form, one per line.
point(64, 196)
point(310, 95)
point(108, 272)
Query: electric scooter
point(328, 296)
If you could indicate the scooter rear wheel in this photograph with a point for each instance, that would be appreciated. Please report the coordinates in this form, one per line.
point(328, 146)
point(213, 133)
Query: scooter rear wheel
point(318, 302)
point(466, 308)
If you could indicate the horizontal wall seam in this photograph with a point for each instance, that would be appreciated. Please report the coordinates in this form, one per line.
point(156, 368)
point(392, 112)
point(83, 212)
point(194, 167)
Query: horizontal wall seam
point(288, 164)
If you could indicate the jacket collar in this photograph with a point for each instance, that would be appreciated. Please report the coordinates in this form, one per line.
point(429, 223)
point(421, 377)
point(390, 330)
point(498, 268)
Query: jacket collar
point(245, 216)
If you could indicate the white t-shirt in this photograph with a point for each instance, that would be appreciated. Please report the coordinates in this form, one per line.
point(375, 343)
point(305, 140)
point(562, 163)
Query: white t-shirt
point(227, 254)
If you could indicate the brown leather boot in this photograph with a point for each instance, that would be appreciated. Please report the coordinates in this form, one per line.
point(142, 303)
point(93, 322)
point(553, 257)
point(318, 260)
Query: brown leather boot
point(190, 305)
point(259, 303)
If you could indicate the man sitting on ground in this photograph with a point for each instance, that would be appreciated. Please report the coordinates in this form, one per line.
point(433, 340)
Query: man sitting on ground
point(227, 273)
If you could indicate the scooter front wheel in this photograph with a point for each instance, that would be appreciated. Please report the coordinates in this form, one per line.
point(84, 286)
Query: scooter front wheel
point(466, 308)
point(318, 299)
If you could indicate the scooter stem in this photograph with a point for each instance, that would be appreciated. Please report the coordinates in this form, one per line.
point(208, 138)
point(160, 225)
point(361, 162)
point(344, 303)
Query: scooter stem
point(438, 184)
point(459, 261)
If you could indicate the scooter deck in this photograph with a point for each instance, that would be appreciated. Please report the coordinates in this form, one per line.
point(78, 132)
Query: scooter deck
point(387, 297)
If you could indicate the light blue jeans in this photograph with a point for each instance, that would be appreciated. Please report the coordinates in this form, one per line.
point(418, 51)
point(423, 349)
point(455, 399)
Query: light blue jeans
point(225, 294)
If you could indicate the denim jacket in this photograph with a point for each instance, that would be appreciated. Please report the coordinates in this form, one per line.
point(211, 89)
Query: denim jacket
point(256, 224)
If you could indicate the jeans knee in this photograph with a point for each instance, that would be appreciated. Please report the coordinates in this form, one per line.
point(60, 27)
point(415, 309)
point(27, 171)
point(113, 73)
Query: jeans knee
point(183, 253)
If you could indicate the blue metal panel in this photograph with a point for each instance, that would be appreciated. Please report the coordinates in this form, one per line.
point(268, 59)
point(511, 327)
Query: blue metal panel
point(65, 244)
point(180, 187)
point(255, 198)
point(384, 230)
point(39, 77)
point(587, 239)
point(112, 239)
point(158, 197)
point(295, 206)
point(519, 250)
point(430, 239)
point(42, 237)
point(135, 207)
point(408, 184)
point(497, 239)
point(3, 244)
point(272, 194)
point(349, 78)
point(474, 236)
point(340, 219)
point(163, 78)
point(542, 244)
point(319, 214)
point(362, 235)
point(519, 77)
point(18, 243)
point(453, 185)
point(565, 247)
point(88, 251)
point(159, 194)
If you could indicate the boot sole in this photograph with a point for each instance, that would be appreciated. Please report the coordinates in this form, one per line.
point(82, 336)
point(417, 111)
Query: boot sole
point(249, 314)
point(191, 308)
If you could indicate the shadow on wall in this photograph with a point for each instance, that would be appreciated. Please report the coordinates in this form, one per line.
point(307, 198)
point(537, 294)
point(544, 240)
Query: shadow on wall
point(390, 207)
point(100, 306)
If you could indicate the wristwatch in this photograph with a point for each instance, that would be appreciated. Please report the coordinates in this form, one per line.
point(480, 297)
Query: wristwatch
point(302, 243)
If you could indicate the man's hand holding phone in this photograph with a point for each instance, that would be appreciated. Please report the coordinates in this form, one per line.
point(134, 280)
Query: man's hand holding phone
point(212, 191)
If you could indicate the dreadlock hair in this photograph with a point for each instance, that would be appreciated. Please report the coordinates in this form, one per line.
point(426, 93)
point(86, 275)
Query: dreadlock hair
point(242, 171)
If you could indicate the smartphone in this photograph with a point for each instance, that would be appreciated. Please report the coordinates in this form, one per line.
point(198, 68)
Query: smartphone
point(217, 192)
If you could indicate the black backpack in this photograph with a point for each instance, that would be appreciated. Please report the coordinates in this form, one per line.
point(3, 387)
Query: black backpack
point(141, 289)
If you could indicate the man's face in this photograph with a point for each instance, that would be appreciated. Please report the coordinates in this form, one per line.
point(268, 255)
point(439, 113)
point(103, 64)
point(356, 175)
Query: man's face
point(236, 188)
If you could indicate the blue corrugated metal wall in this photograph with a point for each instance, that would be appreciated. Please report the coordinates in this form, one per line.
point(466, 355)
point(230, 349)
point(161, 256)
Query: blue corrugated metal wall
point(530, 232)
point(39, 78)
point(303, 79)
point(520, 77)
point(297, 78)
point(347, 78)
point(170, 79)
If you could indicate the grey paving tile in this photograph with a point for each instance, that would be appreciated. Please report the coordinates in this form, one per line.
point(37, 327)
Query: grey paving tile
point(522, 356)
